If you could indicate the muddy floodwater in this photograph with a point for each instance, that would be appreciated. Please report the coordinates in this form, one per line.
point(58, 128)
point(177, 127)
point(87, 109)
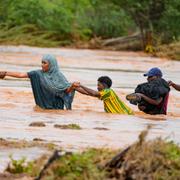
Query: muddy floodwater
point(99, 129)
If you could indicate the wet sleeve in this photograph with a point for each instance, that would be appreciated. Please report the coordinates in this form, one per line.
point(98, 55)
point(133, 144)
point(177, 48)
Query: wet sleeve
point(31, 74)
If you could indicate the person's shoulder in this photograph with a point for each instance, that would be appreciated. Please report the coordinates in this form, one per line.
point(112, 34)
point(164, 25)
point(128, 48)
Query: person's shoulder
point(143, 84)
point(108, 91)
point(104, 92)
point(163, 82)
point(112, 92)
point(34, 72)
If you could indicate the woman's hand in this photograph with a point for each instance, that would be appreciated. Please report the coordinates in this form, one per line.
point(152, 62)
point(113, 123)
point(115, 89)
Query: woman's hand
point(2, 74)
point(76, 84)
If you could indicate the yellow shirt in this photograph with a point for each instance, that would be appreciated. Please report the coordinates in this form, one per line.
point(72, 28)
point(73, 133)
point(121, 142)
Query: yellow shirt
point(112, 103)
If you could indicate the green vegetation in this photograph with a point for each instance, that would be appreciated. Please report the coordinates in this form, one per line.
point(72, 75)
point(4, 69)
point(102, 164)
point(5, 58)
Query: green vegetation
point(19, 166)
point(157, 20)
point(87, 165)
point(156, 159)
point(59, 22)
point(75, 22)
point(67, 126)
point(153, 159)
point(22, 166)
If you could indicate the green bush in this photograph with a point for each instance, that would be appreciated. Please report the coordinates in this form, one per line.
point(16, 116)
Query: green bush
point(80, 166)
point(69, 21)
point(19, 166)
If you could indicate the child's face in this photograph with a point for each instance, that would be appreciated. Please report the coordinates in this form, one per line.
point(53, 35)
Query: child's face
point(100, 86)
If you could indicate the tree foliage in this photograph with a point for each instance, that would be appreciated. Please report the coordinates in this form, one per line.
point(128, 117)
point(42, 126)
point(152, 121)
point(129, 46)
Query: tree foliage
point(160, 17)
point(83, 19)
point(68, 17)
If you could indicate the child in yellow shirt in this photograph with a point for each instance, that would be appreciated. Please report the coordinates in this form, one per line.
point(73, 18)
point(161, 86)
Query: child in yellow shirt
point(112, 103)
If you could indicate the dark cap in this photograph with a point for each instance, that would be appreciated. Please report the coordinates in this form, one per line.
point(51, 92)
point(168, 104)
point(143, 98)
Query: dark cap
point(154, 72)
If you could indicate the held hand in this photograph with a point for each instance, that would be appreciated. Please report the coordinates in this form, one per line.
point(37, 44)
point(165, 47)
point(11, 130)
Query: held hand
point(2, 74)
point(170, 83)
point(76, 84)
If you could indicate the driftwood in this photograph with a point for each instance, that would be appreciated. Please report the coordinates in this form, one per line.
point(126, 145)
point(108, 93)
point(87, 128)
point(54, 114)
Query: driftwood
point(132, 42)
point(119, 40)
point(118, 159)
point(56, 155)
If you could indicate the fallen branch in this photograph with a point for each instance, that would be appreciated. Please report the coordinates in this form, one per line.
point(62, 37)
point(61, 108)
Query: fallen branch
point(56, 155)
point(120, 40)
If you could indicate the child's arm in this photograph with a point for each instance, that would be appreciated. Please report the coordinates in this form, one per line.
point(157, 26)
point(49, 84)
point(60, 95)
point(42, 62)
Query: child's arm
point(81, 90)
point(76, 86)
point(90, 92)
point(84, 90)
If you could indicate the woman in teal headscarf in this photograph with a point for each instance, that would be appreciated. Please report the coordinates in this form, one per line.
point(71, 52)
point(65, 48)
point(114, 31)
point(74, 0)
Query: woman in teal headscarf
point(50, 87)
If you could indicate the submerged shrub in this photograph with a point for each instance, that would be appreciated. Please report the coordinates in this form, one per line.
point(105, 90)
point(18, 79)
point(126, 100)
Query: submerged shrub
point(19, 166)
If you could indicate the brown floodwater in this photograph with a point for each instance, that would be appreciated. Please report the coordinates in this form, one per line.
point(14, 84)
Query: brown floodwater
point(99, 129)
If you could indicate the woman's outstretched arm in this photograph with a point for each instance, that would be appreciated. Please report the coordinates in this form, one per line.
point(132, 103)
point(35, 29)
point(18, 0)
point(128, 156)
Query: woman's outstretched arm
point(16, 74)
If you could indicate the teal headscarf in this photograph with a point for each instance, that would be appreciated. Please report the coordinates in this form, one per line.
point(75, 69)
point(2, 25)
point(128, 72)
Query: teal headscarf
point(49, 87)
point(55, 80)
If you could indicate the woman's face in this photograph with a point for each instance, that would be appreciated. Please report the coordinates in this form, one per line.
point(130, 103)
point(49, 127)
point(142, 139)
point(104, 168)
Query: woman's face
point(45, 65)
